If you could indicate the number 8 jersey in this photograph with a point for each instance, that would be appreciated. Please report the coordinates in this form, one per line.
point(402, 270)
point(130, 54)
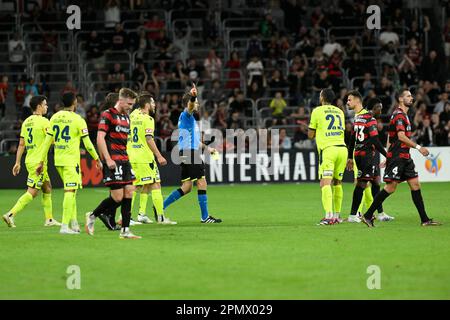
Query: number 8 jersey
point(328, 121)
point(67, 128)
point(142, 126)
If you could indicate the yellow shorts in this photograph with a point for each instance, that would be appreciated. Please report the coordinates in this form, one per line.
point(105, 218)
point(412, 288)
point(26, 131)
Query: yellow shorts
point(71, 177)
point(36, 181)
point(146, 173)
point(332, 162)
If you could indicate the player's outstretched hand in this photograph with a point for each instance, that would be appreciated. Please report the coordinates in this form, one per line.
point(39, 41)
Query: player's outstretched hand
point(424, 151)
point(16, 169)
point(40, 168)
point(111, 164)
point(350, 164)
point(162, 161)
point(99, 164)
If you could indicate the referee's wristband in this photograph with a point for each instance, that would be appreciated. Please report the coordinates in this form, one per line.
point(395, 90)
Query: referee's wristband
point(418, 146)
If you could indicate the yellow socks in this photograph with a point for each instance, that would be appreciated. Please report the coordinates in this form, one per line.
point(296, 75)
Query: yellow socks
point(338, 195)
point(74, 209)
point(132, 201)
point(47, 205)
point(23, 201)
point(327, 201)
point(143, 197)
point(158, 201)
point(68, 206)
point(367, 198)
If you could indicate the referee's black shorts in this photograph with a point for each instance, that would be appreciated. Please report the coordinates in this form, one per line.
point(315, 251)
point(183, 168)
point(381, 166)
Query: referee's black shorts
point(192, 165)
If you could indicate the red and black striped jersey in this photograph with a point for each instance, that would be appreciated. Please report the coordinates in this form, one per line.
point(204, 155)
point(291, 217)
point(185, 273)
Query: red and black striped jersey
point(117, 128)
point(399, 122)
point(364, 127)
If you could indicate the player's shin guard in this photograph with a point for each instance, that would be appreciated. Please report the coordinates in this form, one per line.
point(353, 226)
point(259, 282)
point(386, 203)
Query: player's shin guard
point(143, 198)
point(158, 204)
point(418, 202)
point(203, 202)
point(126, 212)
point(357, 200)
point(377, 201)
point(68, 206)
point(47, 205)
point(23, 201)
point(375, 190)
point(174, 196)
point(367, 197)
point(338, 194)
point(327, 201)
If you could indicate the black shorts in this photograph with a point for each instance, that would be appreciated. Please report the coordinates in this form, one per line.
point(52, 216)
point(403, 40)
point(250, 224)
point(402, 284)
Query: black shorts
point(119, 177)
point(368, 167)
point(192, 166)
point(399, 169)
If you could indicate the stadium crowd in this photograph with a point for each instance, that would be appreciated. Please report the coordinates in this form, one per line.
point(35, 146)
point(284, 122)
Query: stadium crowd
point(411, 50)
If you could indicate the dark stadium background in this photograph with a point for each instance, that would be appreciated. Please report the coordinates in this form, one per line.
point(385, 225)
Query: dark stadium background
point(241, 53)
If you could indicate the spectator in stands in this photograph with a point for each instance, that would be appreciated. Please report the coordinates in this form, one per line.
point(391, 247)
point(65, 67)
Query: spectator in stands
point(321, 81)
point(384, 91)
point(255, 71)
point(414, 52)
point(353, 48)
point(277, 81)
point(165, 126)
point(444, 116)
point(267, 27)
point(213, 65)
point(153, 27)
point(355, 66)
point(235, 122)
point(297, 78)
point(389, 55)
point(139, 75)
point(255, 92)
point(388, 36)
point(95, 50)
point(278, 104)
point(175, 108)
point(142, 45)
point(112, 14)
point(234, 75)
point(215, 94)
point(318, 60)
point(318, 18)
point(446, 38)
point(300, 116)
point(273, 51)
point(416, 32)
point(68, 87)
point(300, 139)
point(241, 106)
point(424, 134)
point(210, 30)
point(431, 68)
point(3, 95)
point(367, 84)
point(254, 47)
point(119, 39)
point(178, 77)
point(205, 122)
point(16, 50)
point(19, 96)
point(334, 70)
point(330, 47)
point(81, 106)
point(49, 41)
point(407, 72)
point(443, 100)
point(43, 87)
point(285, 141)
point(164, 46)
point(116, 77)
point(92, 120)
point(220, 121)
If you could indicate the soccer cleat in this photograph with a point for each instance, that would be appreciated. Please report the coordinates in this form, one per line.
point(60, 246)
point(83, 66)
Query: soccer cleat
point(134, 223)
point(368, 222)
point(128, 235)
point(106, 221)
point(353, 219)
point(166, 221)
point(75, 226)
point(143, 218)
point(326, 222)
point(384, 217)
point(51, 223)
point(211, 219)
point(431, 223)
point(9, 220)
point(66, 230)
point(90, 222)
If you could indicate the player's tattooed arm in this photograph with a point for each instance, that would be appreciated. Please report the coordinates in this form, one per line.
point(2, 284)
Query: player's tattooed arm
point(20, 151)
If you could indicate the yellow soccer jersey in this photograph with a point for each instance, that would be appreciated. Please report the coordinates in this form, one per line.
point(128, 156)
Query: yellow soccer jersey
point(33, 132)
point(67, 129)
point(141, 126)
point(329, 123)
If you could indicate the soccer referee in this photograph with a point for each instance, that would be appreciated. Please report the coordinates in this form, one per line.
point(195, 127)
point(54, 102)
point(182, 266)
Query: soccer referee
point(192, 165)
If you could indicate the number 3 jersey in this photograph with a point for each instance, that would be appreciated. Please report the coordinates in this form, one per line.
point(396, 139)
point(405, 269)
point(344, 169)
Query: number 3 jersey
point(67, 128)
point(142, 126)
point(364, 128)
point(33, 132)
point(117, 127)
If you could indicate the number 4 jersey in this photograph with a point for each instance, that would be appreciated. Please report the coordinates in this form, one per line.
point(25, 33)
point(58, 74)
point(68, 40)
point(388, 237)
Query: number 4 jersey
point(33, 132)
point(67, 129)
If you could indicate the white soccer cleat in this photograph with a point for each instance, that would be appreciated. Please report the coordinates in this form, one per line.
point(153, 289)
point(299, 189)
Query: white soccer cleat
point(75, 226)
point(384, 217)
point(128, 235)
point(144, 219)
point(353, 219)
point(164, 220)
point(66, 230)
point(52, 223)
point(134, 223)
point(9, 220)
point(90, 222)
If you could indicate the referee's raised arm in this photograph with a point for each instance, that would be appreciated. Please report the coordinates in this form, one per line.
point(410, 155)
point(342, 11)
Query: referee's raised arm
point(191, 104)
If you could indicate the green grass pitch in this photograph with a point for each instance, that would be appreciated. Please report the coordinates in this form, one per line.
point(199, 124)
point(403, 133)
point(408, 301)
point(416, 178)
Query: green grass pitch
point(268, 247)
